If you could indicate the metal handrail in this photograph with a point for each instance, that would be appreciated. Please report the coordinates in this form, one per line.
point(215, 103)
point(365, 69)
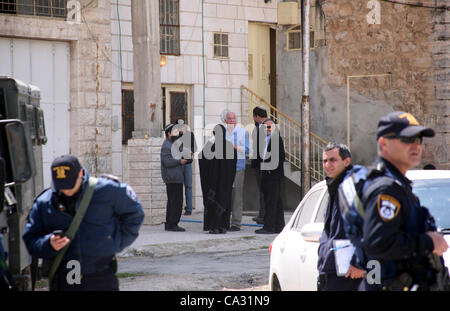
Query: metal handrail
point(290, 131)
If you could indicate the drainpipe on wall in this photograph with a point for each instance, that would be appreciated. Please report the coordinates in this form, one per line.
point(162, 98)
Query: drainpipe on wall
point(204, 74)
point(305, 105)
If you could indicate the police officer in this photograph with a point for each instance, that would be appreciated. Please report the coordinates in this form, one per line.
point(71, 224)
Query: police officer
point(398, 234)
point(111, 223)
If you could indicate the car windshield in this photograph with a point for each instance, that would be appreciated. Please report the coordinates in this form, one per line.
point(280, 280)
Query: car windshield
point(435, 195)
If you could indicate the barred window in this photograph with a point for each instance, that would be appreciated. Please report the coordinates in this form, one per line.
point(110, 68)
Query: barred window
point(127, 114)
point(294, 38)
point(169, 20)
point(49, 8)
point(221, 45)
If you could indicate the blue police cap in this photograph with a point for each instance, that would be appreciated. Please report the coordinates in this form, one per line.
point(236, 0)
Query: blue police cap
point(402, 124)
point(65, 170)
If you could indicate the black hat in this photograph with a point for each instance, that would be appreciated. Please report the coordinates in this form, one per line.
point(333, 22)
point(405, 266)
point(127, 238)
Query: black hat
point(168, 128)
point(402, 124)
point(65, 170)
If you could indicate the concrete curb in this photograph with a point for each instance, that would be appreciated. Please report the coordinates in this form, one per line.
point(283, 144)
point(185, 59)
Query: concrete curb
point(201, 246)
point(155, 242)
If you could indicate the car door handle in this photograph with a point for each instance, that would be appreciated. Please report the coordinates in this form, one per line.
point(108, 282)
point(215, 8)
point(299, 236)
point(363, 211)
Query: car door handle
point(283, 247)
point(303, 254)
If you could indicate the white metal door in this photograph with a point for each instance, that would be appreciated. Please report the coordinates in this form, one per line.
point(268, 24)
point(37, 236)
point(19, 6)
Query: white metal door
point(45, 64)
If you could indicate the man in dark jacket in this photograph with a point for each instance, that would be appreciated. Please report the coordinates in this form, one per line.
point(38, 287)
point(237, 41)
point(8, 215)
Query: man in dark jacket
point(217, 164)
point(111, 223)
point(173, 177)
point(336, 163)
point(272, 171)
point(259, 116)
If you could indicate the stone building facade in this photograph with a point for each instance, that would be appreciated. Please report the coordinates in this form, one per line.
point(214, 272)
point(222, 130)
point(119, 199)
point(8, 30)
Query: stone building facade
point(83, 114)
point(360, 70)
point(366, 69)
point(210, 83)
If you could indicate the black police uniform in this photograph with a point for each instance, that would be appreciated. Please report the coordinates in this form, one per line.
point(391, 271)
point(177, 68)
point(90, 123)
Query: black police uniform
point(394, 233)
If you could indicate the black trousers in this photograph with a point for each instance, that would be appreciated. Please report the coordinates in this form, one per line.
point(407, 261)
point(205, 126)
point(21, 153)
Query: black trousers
point(262, 209)
point(105, 280)
point(274, 213)
point(332, 282)
point(174, 204)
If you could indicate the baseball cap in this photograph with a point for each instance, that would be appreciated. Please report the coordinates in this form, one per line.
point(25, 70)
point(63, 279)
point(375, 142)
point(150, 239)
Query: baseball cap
point(402, 124)
point(65, 170)
point(168, 128)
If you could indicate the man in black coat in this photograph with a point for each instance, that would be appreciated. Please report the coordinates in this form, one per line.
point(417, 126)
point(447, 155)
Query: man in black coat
point(217, 164)
point(259, 116)
point(272, 171)
point(336, 163)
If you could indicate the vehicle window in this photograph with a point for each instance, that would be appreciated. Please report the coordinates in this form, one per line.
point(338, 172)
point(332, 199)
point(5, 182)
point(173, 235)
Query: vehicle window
point(320, 217)
point(434, 194)
point(307, 210)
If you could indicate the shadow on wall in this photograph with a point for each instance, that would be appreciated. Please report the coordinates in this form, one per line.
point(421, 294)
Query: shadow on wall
point(290, 192)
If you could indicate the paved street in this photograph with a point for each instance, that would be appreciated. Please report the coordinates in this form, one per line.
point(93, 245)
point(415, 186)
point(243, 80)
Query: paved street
point(197, 271)
point(196, 260)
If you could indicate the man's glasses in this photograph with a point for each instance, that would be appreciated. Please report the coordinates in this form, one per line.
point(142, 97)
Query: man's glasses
point(407, 140)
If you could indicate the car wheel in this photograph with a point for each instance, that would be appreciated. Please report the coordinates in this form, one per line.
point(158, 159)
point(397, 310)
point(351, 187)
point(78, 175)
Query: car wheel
point(276, 287)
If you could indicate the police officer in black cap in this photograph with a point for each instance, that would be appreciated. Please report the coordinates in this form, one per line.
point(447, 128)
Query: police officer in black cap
point(399, 235)
point(110, 223)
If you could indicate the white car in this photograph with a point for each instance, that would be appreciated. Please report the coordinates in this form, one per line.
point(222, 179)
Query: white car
point(293, 253)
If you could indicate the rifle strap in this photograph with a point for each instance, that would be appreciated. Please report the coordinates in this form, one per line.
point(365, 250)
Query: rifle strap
point(73, 228)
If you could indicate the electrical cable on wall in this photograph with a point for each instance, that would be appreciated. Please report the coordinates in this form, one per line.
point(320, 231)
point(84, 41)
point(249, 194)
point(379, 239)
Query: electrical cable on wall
point(419, 5)
point(204, 75)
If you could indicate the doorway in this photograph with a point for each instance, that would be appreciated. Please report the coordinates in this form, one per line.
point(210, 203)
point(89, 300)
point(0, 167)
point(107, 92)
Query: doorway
point(262, 69)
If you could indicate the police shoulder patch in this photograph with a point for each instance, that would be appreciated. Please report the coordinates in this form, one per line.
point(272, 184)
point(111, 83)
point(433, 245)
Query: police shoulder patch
point(388, 207)
point(130, 193)
point(111, 177)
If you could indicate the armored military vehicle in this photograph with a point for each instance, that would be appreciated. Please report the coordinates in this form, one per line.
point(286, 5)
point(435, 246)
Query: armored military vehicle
point(22, 134)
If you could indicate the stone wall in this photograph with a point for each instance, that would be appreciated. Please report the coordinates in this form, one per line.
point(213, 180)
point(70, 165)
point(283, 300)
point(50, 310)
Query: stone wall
point(90, 80)
point(409, 44)
point(439, 107)
point(145, 177)
point(408, 54)
point(91, 71)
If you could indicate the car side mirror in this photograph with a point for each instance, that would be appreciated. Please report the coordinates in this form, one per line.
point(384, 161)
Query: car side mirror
point(312, 232)
point(20, 151)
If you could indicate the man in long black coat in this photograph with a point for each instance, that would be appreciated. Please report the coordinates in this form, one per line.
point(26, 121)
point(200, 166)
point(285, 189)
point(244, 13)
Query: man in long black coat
point(272, 171)
point(217, 163)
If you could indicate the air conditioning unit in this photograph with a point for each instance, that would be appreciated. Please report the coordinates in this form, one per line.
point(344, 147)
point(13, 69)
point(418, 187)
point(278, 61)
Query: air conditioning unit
point(288, 13)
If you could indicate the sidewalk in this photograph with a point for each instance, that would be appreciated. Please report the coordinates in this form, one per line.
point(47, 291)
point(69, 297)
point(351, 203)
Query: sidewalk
point(154, 241)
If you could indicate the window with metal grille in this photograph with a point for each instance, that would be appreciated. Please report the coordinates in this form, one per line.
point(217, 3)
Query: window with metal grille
point(127, 115)
point(178, 106)
point(294, 38)
point(221, 45)
point(169, 20)
point(49, 8)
